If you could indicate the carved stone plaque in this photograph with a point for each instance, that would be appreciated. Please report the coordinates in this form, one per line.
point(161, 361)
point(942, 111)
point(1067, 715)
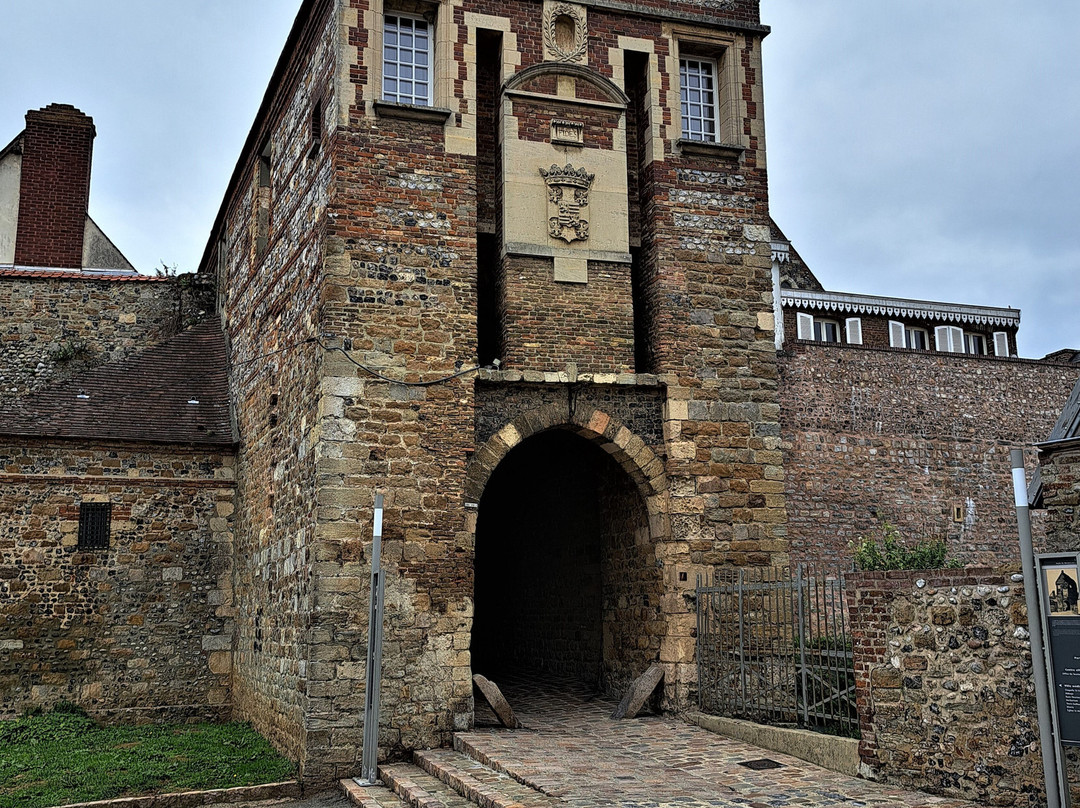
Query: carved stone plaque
point(567, 133)
point(566, 36)
point(568, 197)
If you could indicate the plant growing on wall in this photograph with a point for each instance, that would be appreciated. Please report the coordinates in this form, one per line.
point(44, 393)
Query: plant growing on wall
point(67, 351)
point(889, 551)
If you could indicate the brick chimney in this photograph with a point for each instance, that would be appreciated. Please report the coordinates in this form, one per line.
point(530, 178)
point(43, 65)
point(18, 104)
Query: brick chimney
point(55, 190)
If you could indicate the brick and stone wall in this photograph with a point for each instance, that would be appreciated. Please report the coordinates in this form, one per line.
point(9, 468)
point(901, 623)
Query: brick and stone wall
point(909, 437)
point(501, 397)
point(372, 246)
point(270, 297)
point(944, 683)
point(53, 328)
point(142, 630)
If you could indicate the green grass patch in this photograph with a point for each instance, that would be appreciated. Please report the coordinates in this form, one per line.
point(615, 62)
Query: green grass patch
point(63, 756)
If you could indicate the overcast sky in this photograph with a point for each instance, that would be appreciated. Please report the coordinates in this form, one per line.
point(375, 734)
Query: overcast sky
point(921, 149)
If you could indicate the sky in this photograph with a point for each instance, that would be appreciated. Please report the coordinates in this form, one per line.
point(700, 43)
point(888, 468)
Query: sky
point(919, 149)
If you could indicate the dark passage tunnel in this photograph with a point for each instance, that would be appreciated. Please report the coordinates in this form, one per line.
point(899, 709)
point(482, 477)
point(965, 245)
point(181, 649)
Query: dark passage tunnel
point(566, 579)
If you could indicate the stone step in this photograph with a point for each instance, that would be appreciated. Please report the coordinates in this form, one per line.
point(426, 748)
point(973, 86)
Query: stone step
point(370, 796)
point(486, 787)
point(419, 789)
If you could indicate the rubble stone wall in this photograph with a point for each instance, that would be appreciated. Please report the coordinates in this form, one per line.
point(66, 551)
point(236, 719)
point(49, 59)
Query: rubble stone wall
point(142, 630)
point(944, 683)
point(52, 328)
point(909, 437)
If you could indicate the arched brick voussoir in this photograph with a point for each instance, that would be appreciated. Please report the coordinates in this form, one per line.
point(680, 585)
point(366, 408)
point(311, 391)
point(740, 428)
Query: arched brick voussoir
point(643, 465)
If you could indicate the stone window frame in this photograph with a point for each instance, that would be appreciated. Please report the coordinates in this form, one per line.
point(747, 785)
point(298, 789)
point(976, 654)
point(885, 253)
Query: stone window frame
point(316, 127)
point(262, 202)
point(442, 66)
point(721, 49)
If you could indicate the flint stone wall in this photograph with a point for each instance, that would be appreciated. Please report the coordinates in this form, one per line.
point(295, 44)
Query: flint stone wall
point(875, 434)
point(54, 328)
point(944, 683)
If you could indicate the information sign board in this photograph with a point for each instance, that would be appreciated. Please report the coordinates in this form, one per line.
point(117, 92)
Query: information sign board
point(1059, 582)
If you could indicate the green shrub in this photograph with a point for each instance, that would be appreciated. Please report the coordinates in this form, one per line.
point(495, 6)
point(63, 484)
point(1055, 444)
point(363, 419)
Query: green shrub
point(72, 349)
point(891, 553)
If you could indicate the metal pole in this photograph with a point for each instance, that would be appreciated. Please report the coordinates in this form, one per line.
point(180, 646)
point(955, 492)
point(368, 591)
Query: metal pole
point(1050, 748)
point(369, 765)
point(802, 651)
point(742, 643)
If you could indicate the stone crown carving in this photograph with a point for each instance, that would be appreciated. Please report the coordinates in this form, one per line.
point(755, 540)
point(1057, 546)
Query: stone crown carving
point(568, 175)
point(568, 196)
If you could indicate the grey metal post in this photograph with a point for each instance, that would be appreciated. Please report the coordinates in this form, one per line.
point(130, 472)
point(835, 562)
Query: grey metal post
point(369, 765)
point(742, 642)
point(802, 650)
point(1050, 747)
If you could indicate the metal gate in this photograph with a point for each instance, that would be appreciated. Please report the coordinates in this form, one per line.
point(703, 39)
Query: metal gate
point(773, 646)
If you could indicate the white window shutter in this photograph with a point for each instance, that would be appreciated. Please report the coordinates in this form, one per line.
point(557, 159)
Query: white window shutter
point(1001, 343)
point(805, 326)
point(853, 326)
point(896, 334)
point(957, 339)
point(943, 339)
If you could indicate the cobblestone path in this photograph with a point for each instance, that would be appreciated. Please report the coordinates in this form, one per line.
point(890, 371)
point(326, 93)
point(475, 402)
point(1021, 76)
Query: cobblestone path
point(572, 750)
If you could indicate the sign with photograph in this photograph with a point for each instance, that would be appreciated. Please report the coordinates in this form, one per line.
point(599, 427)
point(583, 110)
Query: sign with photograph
point(1059, 580)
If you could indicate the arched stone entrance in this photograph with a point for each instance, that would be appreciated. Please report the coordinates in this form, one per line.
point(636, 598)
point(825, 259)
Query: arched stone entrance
point(568, 582)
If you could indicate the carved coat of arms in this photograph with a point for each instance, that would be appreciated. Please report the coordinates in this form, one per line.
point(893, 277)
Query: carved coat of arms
point(568, 196)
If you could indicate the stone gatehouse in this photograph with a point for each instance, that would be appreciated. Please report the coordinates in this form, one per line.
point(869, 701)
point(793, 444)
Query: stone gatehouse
point(472, 258)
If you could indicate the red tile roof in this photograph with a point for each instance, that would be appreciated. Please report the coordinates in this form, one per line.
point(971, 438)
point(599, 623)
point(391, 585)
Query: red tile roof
point(75, 275)
point(148, 397)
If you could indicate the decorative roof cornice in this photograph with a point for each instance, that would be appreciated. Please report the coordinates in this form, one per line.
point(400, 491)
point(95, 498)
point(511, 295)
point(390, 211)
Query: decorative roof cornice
point(900, 307)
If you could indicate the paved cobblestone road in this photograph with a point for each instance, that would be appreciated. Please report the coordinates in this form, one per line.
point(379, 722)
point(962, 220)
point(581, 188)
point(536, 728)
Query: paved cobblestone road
point(571, 749)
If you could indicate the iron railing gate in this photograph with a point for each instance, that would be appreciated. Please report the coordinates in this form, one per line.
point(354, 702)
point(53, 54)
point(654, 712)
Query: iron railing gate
point(773, 645)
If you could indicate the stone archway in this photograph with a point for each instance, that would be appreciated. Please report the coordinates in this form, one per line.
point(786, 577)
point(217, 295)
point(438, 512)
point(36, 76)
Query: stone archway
point(640, 462)
point(568, 579)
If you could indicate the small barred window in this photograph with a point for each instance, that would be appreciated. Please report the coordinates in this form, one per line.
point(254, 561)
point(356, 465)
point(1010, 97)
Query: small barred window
point(94, 519)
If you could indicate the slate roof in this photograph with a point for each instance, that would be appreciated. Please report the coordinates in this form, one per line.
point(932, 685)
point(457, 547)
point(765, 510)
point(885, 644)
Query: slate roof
point(1068, 423)
point(147, 398)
